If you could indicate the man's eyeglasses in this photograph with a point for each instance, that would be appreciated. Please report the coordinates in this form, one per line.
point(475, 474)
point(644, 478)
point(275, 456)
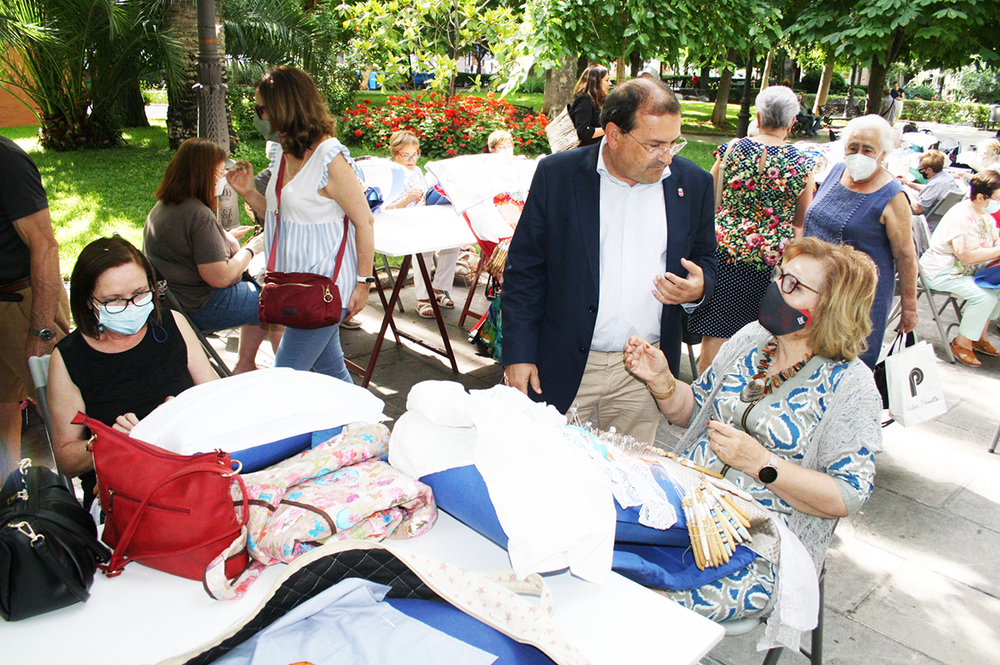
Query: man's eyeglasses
point(671, 148)
point(119, 304)
point(788, 283)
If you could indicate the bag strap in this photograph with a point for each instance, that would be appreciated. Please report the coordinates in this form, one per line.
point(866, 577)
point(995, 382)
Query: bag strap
point(46, 553)
point(119, 560)
point(277, 225)
point(722, 173)
point(92, 543)
point(277, 213)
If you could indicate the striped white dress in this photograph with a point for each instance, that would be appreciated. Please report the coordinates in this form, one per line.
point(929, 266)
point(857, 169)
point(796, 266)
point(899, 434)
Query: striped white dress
point(312, 226)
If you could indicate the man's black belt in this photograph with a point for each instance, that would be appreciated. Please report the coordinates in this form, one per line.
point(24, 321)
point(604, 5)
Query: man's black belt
point(9, 292)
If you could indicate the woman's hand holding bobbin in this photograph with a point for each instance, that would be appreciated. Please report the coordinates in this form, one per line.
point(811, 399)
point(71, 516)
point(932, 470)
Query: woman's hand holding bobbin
point(736, 448)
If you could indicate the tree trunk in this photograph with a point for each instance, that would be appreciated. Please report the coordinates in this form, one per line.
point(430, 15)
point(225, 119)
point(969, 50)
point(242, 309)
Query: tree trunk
point(722, 98)
point(789, 67)
point(765, 79)
point(620, 70)
point(181, 16)
point(876, 85)
point(824, 83)
point(559, 86)
point(706, 72)
point(130, 108)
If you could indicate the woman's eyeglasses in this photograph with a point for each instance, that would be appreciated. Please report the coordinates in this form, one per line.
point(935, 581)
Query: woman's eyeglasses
point(788, 283)
point(409, 155)
point(119, 304)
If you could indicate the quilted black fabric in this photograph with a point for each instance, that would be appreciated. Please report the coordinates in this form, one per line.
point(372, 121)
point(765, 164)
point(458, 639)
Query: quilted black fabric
point(377, 565)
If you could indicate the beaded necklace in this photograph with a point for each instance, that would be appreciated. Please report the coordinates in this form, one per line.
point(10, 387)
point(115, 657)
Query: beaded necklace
point(759, 386)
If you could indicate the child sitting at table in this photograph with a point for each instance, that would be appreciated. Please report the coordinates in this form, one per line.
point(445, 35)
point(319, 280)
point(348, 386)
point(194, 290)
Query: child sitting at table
point(405, 149)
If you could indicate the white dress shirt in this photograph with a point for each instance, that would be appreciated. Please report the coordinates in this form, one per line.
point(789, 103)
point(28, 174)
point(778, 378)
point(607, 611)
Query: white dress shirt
point(633, 221)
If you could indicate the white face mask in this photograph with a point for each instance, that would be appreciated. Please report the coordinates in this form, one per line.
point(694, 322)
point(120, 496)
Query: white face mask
point(220, 185)
point(992, 207)
point(860, 167)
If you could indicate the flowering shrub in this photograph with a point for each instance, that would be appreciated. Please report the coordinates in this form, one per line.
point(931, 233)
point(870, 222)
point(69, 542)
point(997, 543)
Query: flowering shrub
point(446, 126)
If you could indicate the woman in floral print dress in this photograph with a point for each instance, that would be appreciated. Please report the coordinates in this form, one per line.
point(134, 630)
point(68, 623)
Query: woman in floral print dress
point(767, 187)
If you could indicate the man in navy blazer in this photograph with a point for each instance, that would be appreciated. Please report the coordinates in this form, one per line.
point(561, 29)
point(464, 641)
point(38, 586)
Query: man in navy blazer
point(593, 262)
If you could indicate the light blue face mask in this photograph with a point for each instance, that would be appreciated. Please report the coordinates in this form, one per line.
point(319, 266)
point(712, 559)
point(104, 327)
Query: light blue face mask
point(129, 321)
point(263, 126)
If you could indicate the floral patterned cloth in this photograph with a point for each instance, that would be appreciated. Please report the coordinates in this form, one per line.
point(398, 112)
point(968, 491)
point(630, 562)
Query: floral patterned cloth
point(754, 222)
point(338, 490)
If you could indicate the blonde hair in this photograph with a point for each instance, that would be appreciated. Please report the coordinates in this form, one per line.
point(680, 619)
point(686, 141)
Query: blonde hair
point(498, 137)
point(400, 140)
point(932, 159)
point(841, 322)
point(988, 145)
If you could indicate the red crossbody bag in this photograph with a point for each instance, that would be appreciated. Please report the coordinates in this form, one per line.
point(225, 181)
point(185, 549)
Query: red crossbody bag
point(302, 300)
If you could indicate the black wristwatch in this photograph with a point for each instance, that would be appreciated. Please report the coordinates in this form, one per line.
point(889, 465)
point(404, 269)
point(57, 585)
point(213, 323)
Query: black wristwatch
point(366, 280)
point(44, 334)
point(769, 472)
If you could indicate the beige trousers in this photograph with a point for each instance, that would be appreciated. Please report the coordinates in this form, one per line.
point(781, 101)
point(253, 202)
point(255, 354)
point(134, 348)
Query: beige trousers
point(610, 396)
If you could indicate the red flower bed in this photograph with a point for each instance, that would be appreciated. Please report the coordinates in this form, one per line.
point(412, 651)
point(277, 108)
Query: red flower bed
point(446, 126)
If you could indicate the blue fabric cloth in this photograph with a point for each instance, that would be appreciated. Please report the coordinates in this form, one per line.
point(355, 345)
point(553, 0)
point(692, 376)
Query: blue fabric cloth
point(347, 625)
point(649, 556)
point(839, 215)
point(452, 621)
point(988, 278)
point(317, 350)
point(235, 305)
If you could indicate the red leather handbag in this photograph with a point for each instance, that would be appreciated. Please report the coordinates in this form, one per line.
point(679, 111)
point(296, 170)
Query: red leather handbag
point(301, 300)
point(170, 512)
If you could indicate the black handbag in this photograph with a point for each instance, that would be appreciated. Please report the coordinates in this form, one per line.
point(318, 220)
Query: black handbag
point(48, 544)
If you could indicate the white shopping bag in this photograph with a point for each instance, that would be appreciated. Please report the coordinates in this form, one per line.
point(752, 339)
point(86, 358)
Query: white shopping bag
point(915, 393)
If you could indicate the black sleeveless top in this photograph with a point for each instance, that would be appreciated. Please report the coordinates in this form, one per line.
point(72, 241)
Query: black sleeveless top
point(134, 381)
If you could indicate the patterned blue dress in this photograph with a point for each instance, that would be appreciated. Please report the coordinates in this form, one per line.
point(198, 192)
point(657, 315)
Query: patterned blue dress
point(783, 422)
point(839, 215)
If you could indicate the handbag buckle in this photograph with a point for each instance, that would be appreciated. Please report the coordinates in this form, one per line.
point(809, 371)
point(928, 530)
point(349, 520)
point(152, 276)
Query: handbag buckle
point(24, 465)
point(239, 467)
point(327, 296)
point(20, 495)
point(26, 529)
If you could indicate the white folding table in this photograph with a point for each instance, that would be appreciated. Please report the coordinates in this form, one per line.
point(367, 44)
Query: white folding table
point(407, 232)
point(145, 616)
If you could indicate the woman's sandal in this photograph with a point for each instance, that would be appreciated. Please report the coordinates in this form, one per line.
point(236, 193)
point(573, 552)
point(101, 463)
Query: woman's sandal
point(425, 309)
point(444, 300)
point(964, 356)
point(984, 347)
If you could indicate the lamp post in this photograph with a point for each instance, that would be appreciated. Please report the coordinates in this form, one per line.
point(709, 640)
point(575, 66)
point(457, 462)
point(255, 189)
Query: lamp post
point(743, 119)
point(212, 122)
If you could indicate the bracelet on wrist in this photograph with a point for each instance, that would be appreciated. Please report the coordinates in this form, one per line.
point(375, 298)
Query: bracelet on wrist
point(664, 395)
point(252, 254)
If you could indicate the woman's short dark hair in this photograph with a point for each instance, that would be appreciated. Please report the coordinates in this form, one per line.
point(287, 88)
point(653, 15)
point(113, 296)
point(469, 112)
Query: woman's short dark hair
point(590, 84)
point(652, 97)
point(97, 258)
point(985, 182)
point(295, 109)
point(191, 173)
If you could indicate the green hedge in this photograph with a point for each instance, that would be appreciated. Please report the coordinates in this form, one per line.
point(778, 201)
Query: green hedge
point(946, 112)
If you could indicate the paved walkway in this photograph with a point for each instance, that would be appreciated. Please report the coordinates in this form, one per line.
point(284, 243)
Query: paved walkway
point(912, 578)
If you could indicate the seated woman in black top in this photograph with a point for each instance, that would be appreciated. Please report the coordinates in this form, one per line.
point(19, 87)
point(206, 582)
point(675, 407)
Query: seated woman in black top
point(589, 95)
point(125, 357)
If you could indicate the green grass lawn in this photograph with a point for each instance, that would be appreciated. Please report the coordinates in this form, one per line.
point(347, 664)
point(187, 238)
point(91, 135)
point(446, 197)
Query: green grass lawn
point(94, 193)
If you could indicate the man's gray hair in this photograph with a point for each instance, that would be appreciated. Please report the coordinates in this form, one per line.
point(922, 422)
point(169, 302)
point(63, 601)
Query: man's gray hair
point(777, 107)
point(872, 121)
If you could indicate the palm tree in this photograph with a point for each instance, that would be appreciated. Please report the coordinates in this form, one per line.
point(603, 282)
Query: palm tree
point(76, 58)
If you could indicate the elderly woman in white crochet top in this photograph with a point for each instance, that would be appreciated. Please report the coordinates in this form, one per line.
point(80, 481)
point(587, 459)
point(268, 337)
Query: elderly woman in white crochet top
point(786, 411)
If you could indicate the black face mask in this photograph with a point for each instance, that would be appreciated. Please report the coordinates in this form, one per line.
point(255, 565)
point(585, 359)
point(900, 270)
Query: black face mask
point(777, 316)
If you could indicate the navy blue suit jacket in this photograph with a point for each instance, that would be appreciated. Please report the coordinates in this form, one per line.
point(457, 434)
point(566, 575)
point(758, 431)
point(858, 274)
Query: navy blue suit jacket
point(551, 281)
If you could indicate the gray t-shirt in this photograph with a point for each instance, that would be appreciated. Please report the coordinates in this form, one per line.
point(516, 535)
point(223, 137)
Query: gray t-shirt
point(935, 190)
point(177, 239)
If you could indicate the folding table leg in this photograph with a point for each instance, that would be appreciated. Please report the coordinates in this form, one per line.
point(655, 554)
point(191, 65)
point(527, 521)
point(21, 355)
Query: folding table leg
point(472, 292)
